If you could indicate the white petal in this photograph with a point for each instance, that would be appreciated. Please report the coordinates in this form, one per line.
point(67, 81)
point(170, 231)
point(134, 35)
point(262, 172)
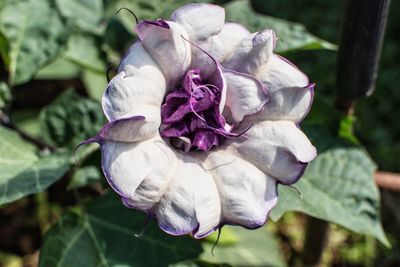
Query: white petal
point(278, 148)
point(167, 47)
point(128, 96)
point(245, 94)
point(290, 93)
point(252, 52)
point(290, 103)
point(126, 165)
point(200, 20)
point(132, 129)
point(191, 202)
point(219, 46)
point(138, 62)
point(280, 73)
point(247, 194)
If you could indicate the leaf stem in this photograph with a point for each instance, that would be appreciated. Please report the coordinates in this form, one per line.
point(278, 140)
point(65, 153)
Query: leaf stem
point(6, 122)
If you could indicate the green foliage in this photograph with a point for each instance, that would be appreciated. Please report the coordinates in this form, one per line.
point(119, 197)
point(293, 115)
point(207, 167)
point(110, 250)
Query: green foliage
point(292, 36)
point(22, 171)
point(83, 176)
point(71, 119)
point(85, 14)
point(103, 234)
point(32, 43)
point(339, 187)
point(83, 50)
point(5, 95)
point(251, 249)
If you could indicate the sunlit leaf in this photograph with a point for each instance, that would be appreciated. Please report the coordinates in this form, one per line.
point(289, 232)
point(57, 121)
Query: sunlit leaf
point(103, 234)
point(339, 187)
point(254, 248)
point(35, 32)
point(83, 50)
point(23, 171)
point(86, 14)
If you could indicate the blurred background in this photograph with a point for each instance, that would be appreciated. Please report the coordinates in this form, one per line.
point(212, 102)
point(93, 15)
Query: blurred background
point(54, 58)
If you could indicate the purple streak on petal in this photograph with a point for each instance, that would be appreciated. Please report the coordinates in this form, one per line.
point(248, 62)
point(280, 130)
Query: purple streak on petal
point(159, 22)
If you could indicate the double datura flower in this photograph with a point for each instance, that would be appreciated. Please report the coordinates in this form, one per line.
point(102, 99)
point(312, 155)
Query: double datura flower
point(204, 123)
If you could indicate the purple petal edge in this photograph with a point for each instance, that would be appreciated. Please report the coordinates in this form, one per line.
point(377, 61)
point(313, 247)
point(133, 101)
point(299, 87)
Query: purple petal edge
point(159, 22)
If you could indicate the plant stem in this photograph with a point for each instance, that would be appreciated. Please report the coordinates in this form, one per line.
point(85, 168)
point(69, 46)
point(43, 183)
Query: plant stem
point(6, 122)
point(317, 232)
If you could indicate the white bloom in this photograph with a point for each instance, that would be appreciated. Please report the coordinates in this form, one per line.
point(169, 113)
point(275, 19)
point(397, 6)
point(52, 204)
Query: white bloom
point(203, 123)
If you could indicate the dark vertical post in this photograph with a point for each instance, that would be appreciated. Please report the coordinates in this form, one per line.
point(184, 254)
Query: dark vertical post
point(315, 241)
point(363, 28)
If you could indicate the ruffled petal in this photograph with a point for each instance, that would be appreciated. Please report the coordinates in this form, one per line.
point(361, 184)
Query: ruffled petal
point(136, 95)
point(191, 203)
point(280, 73)
point(200, 20)
point(252, 52)
point(139, 62)
point(278, 148)
point(245, 94)
point(165, 44)
point(131, 129)
point(291, 95)
point(126, 165)
point(247, 194)
point(290, 103)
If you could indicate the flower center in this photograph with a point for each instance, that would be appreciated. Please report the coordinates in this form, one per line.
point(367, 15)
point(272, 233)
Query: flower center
point(191, 116)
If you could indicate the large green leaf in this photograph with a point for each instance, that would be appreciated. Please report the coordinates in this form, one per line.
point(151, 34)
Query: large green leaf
point(254, 248)
point(83, 49)
point(70, 119)
point(86, 14)
point(22, 171)
point(291, 36)
point(35, 32)
point(339, 187)
point(104, 235)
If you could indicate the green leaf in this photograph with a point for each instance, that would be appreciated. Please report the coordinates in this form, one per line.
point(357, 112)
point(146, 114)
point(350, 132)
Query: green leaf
point(104, 235)
point(60, 69)
point(22, 171)
point(5, 95)
point(83, 176)
point(82, 49)
point(70, 119)
point(198, 263)
point(339, 187)
point(4, 50)
point(291, 36)
point(227, 237)
point(95, 83)
point(255, 248)
point(86, 14)
point(35, 33)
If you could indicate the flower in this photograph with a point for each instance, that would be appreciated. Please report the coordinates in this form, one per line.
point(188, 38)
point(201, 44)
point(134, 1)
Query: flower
point(204, 123)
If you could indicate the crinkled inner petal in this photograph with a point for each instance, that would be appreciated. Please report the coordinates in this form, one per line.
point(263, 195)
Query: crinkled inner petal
point(245, 94)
